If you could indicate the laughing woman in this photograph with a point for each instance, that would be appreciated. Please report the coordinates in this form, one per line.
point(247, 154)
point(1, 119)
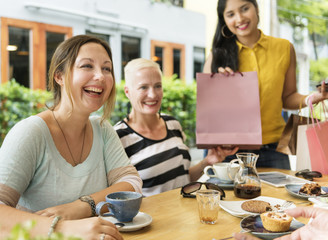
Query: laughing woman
point(154, 142)
point(55, 166)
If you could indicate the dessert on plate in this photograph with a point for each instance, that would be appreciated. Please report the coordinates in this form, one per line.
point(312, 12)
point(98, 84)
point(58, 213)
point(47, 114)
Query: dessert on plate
point(256, 206)
point(276, 221)
point(313, 189)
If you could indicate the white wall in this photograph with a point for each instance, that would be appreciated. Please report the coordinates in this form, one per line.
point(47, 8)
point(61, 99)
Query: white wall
point(140, 18)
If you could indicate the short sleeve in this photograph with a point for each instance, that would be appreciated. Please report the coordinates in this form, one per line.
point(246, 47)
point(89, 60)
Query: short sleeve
point(20, 153)
point(114, 152)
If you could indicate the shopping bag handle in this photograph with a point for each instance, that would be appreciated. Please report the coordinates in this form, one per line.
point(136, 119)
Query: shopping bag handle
point(213, 73)
point(324, 110)
point(312, 111)
point(300, 109)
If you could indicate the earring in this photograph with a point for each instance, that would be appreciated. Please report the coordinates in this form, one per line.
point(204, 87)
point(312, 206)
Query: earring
point(159, 112)
point(128, 111)
point(223, 34)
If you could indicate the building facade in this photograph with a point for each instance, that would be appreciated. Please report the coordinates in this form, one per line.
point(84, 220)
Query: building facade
point(31, 31)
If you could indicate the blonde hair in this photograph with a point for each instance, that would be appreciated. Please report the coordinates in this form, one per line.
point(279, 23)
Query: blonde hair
point(62, 63)
point(135, 65)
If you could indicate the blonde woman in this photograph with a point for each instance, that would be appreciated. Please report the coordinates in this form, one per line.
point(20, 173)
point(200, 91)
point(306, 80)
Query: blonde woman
point(154, 142)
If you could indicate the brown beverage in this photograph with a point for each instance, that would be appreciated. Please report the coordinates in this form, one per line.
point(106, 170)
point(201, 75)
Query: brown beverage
point(247, 191)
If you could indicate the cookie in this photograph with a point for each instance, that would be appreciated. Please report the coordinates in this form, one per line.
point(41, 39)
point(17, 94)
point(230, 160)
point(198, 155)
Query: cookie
point(256, 206)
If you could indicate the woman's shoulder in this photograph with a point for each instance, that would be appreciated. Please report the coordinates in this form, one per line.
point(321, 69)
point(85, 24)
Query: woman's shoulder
point(171, 122)
point(275, 41)
point(120, 125)
point(32, 124)
point(30, 133)
point(167, 117)
point(122, 129)
point(104, 126)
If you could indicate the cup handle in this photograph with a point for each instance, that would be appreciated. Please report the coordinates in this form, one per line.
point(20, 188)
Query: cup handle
point(207, 173)
point(100, 206)
point(229, 167)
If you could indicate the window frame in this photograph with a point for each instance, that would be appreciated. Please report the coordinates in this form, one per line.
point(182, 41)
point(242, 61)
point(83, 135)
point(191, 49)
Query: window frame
point(38, 58)
point(168, 48)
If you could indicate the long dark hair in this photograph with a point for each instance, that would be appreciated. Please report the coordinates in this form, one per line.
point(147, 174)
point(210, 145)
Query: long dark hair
point(224, 48)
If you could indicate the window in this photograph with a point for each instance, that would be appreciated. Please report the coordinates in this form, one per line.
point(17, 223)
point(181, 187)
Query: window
point(19, 54)
point(199, 60)
point(170, 56)
point(158, 57)
point(26, 49)
point(52, 42)
point(130, 50)
point(176, 62)
point(178, 3)
point(104, 37)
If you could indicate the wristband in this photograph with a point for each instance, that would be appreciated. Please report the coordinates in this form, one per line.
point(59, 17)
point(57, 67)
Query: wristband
point(306, 100)
point(53, 225)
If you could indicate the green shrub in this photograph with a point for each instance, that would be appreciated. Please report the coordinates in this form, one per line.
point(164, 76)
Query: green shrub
point(179, 100)
point(17, 103)
point(22, 232)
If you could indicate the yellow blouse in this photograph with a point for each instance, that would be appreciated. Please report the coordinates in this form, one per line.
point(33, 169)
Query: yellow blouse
point(270, 57)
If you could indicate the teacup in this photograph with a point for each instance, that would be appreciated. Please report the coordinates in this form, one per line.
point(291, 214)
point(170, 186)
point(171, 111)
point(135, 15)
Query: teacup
point(221, 171)
point(124, 206)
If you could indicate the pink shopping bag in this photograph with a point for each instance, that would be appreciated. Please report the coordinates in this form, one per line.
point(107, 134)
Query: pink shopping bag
point(317, 136)
point(228, 111)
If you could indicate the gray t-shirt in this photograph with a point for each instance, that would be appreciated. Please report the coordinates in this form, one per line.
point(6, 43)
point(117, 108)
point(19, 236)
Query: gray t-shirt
point(31, 165)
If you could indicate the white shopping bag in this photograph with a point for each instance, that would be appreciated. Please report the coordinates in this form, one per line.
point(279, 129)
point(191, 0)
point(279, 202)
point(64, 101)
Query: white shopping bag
point(303, 160)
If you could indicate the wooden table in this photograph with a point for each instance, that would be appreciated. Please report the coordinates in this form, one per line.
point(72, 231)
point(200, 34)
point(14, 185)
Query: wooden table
point(175, 217)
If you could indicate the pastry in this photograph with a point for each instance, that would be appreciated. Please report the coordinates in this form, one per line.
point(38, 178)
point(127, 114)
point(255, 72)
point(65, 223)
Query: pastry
point(310, 189)
point(276, 221)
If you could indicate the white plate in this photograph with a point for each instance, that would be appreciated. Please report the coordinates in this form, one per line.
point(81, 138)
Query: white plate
point(234, 207)
point(139, 221)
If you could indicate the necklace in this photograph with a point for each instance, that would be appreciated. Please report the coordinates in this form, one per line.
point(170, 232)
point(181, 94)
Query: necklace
point(69, 149)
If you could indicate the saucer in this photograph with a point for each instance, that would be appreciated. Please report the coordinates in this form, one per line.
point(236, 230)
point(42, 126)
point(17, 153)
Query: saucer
point(220, 183)
point(139, 221)
point(253, 224)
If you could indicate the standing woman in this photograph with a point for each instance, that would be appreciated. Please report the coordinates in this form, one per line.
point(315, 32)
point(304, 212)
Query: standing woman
point(238, 45)
point(55, 166)
point(154, 142)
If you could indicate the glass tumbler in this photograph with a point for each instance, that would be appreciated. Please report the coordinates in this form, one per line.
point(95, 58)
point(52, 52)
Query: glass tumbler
point(208, 205)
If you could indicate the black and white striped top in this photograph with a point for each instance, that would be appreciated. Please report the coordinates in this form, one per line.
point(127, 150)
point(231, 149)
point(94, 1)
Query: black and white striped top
point(162, 164)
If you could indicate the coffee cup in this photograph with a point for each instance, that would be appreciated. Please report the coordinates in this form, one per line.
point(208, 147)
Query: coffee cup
point(123, 206)
point(222, 172)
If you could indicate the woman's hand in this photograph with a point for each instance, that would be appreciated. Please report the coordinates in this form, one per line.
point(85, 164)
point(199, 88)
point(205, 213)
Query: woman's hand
point(68, 211)
point(316, 229)
point(226, 71)
point(89, 228)
point(218, 154)
point(321, 94)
